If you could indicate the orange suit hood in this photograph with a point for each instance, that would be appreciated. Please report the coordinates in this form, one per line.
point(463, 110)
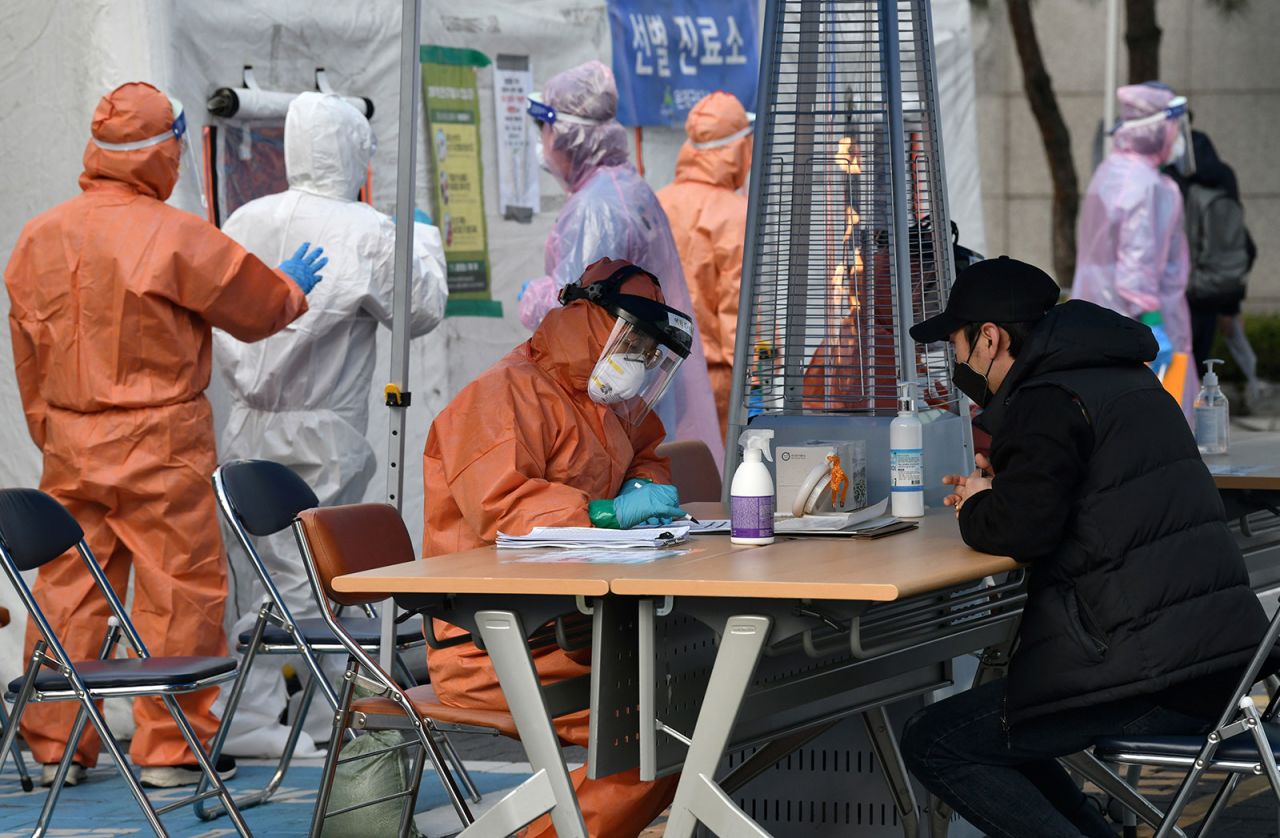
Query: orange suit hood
point(132, 112)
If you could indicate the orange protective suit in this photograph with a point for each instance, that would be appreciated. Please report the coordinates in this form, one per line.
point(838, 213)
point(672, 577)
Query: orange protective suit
point(524, 446)
point(112, 295)
point(709, 222)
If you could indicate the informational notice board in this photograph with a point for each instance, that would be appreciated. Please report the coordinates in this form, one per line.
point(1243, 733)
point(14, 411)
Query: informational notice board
point(453, 139)
point(668, 54)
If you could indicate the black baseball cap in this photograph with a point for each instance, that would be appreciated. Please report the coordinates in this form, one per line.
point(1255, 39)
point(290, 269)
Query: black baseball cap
point(999, 290)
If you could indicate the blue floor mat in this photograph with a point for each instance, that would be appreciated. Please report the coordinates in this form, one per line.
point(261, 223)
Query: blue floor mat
point(104, 807)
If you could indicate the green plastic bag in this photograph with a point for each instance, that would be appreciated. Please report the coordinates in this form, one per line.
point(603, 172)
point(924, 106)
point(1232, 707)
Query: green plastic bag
point(368, 779)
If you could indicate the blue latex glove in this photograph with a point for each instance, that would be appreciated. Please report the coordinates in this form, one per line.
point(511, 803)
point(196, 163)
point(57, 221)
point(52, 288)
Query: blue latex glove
point(303, 267)
point(644, 503)
point(523, 288)
point(1164, 355)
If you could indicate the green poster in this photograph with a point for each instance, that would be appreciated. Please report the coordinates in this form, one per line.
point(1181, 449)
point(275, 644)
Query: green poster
point(453, 137)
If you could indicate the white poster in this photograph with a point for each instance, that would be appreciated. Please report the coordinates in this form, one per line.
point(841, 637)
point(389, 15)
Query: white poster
point(517, 159)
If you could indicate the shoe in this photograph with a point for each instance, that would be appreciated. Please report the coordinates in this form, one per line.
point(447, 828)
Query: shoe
point(75, 776)
point(173, 776)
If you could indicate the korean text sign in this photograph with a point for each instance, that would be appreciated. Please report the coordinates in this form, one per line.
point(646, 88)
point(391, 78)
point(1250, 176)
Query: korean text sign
point(668, 54)
point(453, 138)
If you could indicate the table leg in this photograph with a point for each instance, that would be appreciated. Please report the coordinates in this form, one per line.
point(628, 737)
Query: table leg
point(698, 798)
point(506, 643)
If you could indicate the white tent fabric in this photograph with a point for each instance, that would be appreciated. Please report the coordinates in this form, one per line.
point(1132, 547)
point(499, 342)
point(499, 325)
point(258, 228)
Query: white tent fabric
point(62, 56)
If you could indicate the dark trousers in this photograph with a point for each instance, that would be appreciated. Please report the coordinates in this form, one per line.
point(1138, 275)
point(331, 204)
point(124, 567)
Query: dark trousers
point(1204, 328)
point(1008, 782)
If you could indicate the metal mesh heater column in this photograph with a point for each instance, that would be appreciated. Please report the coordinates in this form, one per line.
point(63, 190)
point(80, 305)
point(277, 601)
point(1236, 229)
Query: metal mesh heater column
point(847, 241)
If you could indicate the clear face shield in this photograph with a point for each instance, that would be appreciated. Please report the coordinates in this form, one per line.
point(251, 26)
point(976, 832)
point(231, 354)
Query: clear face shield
point(178, 131)
point(633, 372)
point(644, 351)
point(1182, 156)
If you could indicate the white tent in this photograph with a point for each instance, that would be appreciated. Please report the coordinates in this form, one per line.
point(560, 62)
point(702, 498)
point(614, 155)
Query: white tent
point(61, 57)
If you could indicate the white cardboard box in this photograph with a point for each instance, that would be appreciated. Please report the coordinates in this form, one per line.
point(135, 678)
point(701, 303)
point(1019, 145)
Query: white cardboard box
point(794, 462)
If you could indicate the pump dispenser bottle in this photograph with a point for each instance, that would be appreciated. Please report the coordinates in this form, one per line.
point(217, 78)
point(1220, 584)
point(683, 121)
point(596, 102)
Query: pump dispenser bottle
point(906, 457)
point(1212, 418)
point(751, 496)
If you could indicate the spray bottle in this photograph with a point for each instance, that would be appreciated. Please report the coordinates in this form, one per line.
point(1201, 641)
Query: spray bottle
point(906, 457)
point(751, 492)
point(1211, 413)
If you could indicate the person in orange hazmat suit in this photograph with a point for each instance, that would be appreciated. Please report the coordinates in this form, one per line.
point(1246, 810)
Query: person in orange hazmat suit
point(527, 444)
point(708, 215)
point(112, 298)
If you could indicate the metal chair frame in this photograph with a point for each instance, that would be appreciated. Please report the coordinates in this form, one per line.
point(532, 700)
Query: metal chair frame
point(49, 652)
point(274, 611)
point(426, 735)
point(1240, 717)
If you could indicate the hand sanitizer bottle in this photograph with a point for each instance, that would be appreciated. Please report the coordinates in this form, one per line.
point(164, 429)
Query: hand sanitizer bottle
point(751, 497)
point(906, 458)
point(1212, 417)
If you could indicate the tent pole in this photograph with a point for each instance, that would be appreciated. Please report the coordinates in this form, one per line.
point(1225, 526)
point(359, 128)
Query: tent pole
point(1109, 76)
point(397, 399)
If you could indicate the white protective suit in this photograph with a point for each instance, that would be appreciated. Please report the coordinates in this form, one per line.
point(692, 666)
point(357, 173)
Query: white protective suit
point(1131, 242)
point(613, 213)
point(302, 397)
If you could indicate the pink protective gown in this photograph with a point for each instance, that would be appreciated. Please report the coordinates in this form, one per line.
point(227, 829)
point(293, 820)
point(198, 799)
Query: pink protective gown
point(1131, 243)
point(612, 213)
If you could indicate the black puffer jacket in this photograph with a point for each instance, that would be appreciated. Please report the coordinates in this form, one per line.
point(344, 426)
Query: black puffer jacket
point(1136, 583)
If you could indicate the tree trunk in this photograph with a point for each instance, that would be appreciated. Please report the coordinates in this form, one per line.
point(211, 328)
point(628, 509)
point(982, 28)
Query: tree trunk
point(1142, 37)
point(1054, 135)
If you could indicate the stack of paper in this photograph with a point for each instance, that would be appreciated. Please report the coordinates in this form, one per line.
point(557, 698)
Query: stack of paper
point(602, 538)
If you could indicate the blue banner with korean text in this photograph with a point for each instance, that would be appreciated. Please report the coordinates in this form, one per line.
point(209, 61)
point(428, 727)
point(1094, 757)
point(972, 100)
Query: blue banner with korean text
point(668, 54)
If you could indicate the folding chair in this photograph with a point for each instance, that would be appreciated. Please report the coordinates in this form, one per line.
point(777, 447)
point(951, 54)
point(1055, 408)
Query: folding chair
point(346, 539)
point(35, 530)
point(1223, 748)
point(261, 498)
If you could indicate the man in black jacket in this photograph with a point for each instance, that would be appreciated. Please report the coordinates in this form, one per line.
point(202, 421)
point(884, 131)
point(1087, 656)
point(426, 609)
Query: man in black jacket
point(1139, 613)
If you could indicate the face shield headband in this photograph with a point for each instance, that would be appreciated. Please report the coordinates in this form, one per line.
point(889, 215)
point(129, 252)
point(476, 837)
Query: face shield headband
point(721, 142)
point(176, 132)
point(545, 114)
point(1182, 155)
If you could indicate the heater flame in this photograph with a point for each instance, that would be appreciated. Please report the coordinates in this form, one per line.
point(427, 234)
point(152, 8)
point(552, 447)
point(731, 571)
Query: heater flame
point(851, 220)
point(847, 156)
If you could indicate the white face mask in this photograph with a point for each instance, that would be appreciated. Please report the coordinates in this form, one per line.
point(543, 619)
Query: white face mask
point(542, 159)
point(615, 379)
point(1179, 149)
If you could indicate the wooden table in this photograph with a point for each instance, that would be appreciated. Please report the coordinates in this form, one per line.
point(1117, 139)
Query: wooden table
point(927, 559)
point(1256, 455)
point(752, 597)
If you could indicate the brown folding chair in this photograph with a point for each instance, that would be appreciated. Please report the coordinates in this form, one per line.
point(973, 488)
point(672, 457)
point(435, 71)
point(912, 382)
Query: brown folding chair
point(339, 540)
point(693, 470)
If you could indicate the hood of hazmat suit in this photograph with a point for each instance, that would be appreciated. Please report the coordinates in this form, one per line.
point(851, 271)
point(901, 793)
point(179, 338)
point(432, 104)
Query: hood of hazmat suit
point(1131, 240)
point(302, 397)
point(612, 213)
point(708, 219)
point(112, 295)
point(524, 446)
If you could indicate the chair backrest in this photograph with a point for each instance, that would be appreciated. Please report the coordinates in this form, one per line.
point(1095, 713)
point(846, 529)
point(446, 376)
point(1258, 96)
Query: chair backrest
point(693, 470)
point(349, 539)
point(35, 528)
point(265, 496)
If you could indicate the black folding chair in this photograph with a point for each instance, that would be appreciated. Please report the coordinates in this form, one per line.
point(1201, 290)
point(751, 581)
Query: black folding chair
point(1223, 748)
point(35, 530)
point(260, 498)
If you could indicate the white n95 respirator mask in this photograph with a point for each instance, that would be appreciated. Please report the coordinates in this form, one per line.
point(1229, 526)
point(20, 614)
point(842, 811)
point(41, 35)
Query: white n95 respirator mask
point(615, 379)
